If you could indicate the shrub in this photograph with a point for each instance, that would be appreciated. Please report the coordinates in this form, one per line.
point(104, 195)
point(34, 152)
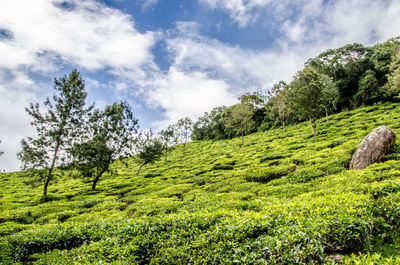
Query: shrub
point(305, 175)
point(88, 203)
point(384, 190)
point(26, 243)
point(266, 175)
point(222, 167)
point(152, 175)
point(271, 157)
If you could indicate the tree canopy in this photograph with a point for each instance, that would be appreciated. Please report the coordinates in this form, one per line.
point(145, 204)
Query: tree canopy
point(240, 119)
point(57, 129)
point(168, 137)
point(307, 94)
point(148, 149)
point(108, 136)
point(279, 102)
point(183, 128)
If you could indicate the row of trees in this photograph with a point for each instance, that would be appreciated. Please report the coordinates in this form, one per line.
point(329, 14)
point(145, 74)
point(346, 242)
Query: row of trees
point(178, 133)
point(75, 136)
point(310, 95)
point(336, 80)
point(71, 134)
point(227, 122)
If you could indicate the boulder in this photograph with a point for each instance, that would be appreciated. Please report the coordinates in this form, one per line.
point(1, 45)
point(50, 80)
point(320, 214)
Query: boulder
point(373, 148)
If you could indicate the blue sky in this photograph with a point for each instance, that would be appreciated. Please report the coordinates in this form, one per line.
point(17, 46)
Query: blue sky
point(168, 59)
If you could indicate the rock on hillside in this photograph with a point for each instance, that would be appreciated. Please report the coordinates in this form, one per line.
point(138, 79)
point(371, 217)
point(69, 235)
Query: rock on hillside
point(373, 148)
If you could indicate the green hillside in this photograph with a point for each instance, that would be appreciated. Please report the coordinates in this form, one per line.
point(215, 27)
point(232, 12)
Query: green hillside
point(278, 199)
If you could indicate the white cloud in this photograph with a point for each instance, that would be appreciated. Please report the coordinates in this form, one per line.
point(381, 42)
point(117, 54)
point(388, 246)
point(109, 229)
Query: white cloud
point(243, 69)
point(42, 37)
point(242, 12)
point(362, 21)
point(187, 94)
point(46, 36)
point(83, 33)
point(307, 27)
point(316, 21)
point(148, 3)
point(206, 73)
point(14, 122)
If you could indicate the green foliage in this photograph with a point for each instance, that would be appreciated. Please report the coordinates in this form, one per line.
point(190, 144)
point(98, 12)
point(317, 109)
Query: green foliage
point(255, 99)
point(57, 129)
point(368, 90)
point(394, 75)
point(279, 102)
point(211, 126)
point(305, 175)
point(183, 128)
point(310, 95)
point(148, 148)
point(265, 175)
point(108, 136)
point(240, 119)
point(336, 80)
point(168, 137)
point(278, 199)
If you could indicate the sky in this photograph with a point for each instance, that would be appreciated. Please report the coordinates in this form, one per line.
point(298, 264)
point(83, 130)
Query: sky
point(168, 59)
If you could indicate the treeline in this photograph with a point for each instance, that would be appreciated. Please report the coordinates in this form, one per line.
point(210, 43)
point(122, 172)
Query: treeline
point(336, 80)
point(76, 136)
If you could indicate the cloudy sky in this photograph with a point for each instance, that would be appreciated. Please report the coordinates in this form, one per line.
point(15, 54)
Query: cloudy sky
point(167, 58)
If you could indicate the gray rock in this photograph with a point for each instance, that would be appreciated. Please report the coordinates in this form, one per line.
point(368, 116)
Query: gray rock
point(373, 148)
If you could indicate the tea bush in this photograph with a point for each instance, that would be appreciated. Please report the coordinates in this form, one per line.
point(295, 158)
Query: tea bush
point(277, 199)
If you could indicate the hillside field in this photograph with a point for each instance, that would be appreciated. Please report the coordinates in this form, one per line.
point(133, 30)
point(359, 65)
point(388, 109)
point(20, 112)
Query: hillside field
point(281, 198)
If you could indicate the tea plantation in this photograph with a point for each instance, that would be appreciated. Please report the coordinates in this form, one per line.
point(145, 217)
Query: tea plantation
point(278, 199)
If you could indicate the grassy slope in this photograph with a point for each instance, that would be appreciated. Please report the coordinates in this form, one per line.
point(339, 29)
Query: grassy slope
point(280, 198)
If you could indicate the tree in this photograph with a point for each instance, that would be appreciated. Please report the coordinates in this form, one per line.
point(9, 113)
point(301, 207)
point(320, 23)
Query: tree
point(330, 96)
point(211, 126)
point(368, 90)
point(168, 137)
point(57, 129)
point(279, 102)
point(345, 65)
point(148, 148)
point(254, 99)
point(394, 75)
point(109, 136)
point(257, 102)
point(307, 95)
point(383, 57)
point(240, 119)
point(183, 127)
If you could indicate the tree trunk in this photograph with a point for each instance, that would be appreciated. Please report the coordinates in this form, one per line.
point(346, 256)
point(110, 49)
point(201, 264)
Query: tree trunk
point(96, 179)
point(48, 178)
point(140, 167)
point(166, 153)
point(283, 124)
point(184, 148)
point(242, 138)
point(314, 127)
point(46, 184)
point(327, 115)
